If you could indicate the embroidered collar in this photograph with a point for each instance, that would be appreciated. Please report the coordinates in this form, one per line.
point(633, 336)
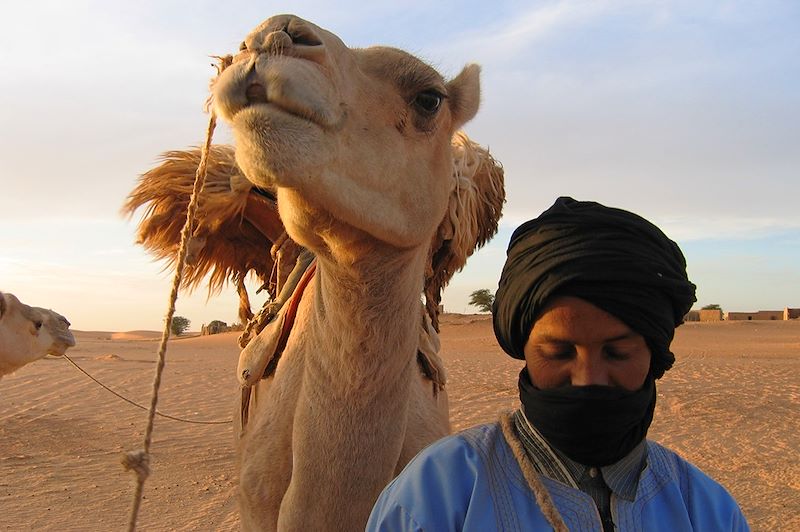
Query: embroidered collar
point(621, 477)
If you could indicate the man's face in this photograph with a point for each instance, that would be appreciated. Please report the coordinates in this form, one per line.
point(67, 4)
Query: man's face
point(574, 342)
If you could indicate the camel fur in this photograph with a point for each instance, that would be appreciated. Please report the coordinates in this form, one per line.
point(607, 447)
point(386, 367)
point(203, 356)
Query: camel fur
point(29, 333)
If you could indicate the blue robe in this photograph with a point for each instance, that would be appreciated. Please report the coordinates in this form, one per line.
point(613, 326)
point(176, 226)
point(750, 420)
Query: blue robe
point(472, 482)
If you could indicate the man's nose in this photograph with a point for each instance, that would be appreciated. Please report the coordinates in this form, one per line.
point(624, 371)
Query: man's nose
point(589, 368)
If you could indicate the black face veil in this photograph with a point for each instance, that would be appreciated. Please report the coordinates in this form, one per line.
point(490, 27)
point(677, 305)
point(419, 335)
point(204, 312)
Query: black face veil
point(612, 258)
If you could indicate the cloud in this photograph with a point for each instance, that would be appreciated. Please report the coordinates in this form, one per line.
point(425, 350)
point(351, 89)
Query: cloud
point(517, 35)
point(731, 228)
point(686, 112)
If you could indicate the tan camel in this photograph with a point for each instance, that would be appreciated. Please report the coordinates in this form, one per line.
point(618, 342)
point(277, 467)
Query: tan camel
point(29, 333)
point(360, 151)
point(358, 145)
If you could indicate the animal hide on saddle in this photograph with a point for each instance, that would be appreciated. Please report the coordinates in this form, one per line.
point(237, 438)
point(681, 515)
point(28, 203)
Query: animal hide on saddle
point(235, 228)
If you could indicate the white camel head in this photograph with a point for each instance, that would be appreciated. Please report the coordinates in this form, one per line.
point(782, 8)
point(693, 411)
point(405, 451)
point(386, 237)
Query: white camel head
point(355, 140)
point(29, 333)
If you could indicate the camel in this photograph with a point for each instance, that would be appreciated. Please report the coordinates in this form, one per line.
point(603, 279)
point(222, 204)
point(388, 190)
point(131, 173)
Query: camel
point(361, 158)
point(357, 144)
point(29, 333)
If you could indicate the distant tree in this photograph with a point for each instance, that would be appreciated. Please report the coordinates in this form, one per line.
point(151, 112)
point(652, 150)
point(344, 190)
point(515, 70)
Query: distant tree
point(179, 325)
point(712, 306)
point(482, 299)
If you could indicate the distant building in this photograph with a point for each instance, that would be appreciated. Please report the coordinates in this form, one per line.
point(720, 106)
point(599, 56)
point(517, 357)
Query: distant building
point(710, 314)
point(759, 315)
point(764, 315)
point(215, 327)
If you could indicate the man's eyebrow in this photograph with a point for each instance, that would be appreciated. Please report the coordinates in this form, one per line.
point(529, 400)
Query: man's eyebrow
point(550, 338)
point(545, 338)
point(627, 336)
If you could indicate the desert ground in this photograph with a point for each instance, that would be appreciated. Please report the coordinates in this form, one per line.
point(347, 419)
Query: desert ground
point(731, 405)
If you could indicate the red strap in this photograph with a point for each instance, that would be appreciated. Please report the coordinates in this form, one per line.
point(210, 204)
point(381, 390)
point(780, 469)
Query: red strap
point(291, 312)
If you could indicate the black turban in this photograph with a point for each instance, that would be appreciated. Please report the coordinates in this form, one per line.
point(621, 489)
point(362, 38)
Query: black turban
point(614, 259)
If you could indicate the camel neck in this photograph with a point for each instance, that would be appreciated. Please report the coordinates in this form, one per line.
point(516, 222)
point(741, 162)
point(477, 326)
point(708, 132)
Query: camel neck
point(369, 312)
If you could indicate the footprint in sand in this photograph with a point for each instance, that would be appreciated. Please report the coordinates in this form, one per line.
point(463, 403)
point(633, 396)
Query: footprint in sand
point(109, 357)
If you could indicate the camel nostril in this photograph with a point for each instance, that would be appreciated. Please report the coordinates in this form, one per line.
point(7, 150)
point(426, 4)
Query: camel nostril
point(301, 35)
point(256, 93)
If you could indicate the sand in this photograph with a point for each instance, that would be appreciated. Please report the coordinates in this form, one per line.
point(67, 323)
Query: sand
point(731, 405)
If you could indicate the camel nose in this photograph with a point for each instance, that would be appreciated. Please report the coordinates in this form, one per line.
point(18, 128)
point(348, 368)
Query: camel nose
point(252, 79)
point(278, 41)
point(285, 35)
point(299, 32)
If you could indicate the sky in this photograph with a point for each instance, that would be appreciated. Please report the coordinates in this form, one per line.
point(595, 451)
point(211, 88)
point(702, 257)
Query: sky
point(685, 112)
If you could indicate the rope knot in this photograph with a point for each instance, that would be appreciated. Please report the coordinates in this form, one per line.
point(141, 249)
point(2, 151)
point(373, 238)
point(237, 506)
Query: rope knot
point(139, 462)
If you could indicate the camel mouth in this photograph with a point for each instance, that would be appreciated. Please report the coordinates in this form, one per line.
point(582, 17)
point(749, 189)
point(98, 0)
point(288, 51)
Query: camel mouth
point(60, 349)
point(285, 108)
point(260, 98)
point(64, 341)
point(286, 88)
point(256, 93)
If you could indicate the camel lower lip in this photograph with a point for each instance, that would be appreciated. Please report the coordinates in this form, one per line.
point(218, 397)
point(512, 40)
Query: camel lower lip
point(270, 107)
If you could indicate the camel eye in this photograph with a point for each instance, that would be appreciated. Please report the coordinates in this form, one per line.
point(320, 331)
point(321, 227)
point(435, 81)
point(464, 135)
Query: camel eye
point(37, 324)
point(428, 101)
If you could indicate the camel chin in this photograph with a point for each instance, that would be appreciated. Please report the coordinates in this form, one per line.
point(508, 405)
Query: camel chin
point(30, 333)
point(270, 159)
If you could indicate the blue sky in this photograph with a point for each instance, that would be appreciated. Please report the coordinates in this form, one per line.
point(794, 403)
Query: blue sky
point(687, 113)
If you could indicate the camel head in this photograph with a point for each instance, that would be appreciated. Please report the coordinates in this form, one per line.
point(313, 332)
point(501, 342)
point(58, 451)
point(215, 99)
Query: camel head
point(357, 142)
point(30, 333)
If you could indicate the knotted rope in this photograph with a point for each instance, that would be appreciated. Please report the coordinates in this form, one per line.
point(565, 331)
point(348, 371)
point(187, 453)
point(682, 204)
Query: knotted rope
point(139, 460)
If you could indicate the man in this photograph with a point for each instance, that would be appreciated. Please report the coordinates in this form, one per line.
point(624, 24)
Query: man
point(589, 297)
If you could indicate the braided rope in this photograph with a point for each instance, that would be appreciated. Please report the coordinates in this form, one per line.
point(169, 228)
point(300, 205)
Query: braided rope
point(543, 499)
point(139, 460)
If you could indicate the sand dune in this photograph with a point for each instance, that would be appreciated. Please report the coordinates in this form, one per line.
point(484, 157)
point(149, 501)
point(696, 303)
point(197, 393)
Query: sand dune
point(730, 405)
point(136, 335)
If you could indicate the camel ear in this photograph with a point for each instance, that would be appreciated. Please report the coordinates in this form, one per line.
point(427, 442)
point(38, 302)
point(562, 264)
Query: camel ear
point(2, 304)
point(464, 92)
